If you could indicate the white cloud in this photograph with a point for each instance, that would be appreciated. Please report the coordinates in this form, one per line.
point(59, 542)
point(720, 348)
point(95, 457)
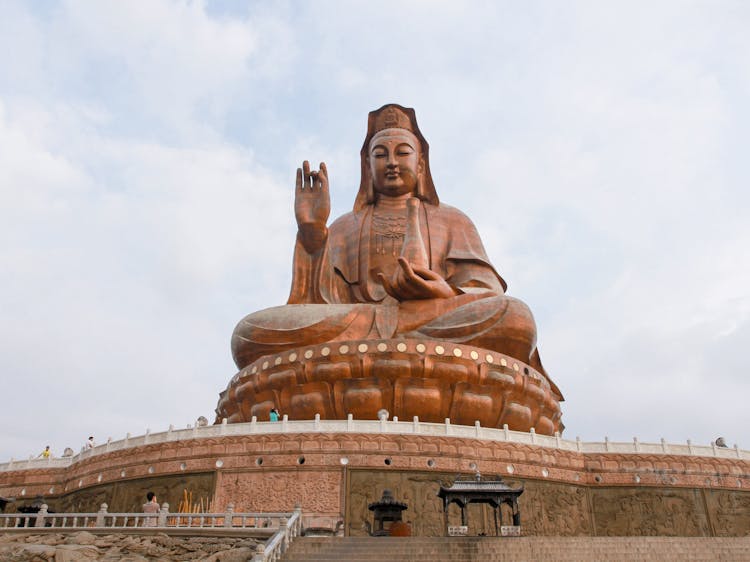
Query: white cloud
point(147, 155)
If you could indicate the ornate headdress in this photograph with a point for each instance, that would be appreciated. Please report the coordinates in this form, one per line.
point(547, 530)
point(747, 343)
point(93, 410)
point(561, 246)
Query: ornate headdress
point(393, 116)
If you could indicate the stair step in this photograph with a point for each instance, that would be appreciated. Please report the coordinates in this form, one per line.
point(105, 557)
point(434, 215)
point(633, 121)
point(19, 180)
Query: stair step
point(564, 549)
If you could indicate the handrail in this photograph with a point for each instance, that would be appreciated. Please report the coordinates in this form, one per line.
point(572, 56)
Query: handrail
point(389, 427)
point(164, 519)
point(289, 524)
point(276, 546)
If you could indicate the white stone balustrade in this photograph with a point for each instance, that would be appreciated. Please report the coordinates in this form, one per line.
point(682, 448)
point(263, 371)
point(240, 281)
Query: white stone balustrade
point(268, 522)
point(414, 427)
point(280, 528)
point(276, 546)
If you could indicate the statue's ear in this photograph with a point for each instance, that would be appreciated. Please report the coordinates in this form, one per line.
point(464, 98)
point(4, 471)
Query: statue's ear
point(371, 190)
point(421, 193)
point(366, 193)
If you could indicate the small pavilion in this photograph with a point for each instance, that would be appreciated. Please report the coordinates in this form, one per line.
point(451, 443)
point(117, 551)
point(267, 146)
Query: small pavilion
point(479, 490)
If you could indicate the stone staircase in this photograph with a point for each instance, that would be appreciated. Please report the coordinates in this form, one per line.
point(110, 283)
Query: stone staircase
point(467, 549)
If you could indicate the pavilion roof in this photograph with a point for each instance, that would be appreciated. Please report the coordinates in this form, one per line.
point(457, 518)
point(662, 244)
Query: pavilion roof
point(479, 484)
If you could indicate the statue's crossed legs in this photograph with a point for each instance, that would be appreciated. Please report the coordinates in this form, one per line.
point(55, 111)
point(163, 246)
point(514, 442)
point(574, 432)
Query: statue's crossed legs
point(494, 322)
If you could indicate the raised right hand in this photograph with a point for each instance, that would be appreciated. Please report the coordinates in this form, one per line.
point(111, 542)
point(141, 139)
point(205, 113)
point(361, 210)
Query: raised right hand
point(312, 205)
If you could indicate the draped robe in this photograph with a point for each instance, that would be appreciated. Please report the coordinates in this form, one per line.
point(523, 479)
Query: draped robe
point(335, 295)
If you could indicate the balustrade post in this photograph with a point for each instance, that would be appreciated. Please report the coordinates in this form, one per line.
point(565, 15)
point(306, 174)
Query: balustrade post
point(101, 515)
point(228, 515)
point(260, 553)
point(163, 512)
point(283, 529)
point(41, 516)
point(298, 523)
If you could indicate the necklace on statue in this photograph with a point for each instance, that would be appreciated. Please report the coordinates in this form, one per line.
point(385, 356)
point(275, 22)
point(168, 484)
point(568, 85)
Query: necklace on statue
point(388, 232)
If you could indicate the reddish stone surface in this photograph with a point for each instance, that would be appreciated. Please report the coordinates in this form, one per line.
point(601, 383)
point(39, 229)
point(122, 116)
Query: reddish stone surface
point(317, 491)
point(323, 452)
point(266, 472)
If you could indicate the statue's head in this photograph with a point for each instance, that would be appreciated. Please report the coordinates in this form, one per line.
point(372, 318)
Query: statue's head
point(393, 134)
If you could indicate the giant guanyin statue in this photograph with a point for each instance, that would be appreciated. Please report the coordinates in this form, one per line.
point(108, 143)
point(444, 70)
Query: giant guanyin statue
point(395, 305)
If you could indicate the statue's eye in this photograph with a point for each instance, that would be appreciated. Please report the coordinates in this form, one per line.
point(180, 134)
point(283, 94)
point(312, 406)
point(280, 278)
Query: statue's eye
point(378, 154)
point(404, 150)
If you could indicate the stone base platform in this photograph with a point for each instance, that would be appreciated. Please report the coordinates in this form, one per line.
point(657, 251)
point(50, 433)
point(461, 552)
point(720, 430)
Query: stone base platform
point(429, 379)
point(335, 468)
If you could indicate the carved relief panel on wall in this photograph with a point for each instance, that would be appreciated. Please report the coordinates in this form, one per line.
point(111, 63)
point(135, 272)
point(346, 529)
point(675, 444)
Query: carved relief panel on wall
point(649, 512)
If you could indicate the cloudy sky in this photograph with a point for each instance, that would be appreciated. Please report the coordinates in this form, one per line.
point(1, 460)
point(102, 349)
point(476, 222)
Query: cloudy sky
point(147, 158)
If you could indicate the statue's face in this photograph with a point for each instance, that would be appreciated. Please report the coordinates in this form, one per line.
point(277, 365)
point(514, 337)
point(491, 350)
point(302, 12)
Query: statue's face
point(395, 162)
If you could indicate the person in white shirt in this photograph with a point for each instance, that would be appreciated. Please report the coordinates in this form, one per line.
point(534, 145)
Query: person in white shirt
point(151, 509)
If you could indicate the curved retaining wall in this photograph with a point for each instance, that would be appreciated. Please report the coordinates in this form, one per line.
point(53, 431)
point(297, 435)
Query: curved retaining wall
point(334, 468)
